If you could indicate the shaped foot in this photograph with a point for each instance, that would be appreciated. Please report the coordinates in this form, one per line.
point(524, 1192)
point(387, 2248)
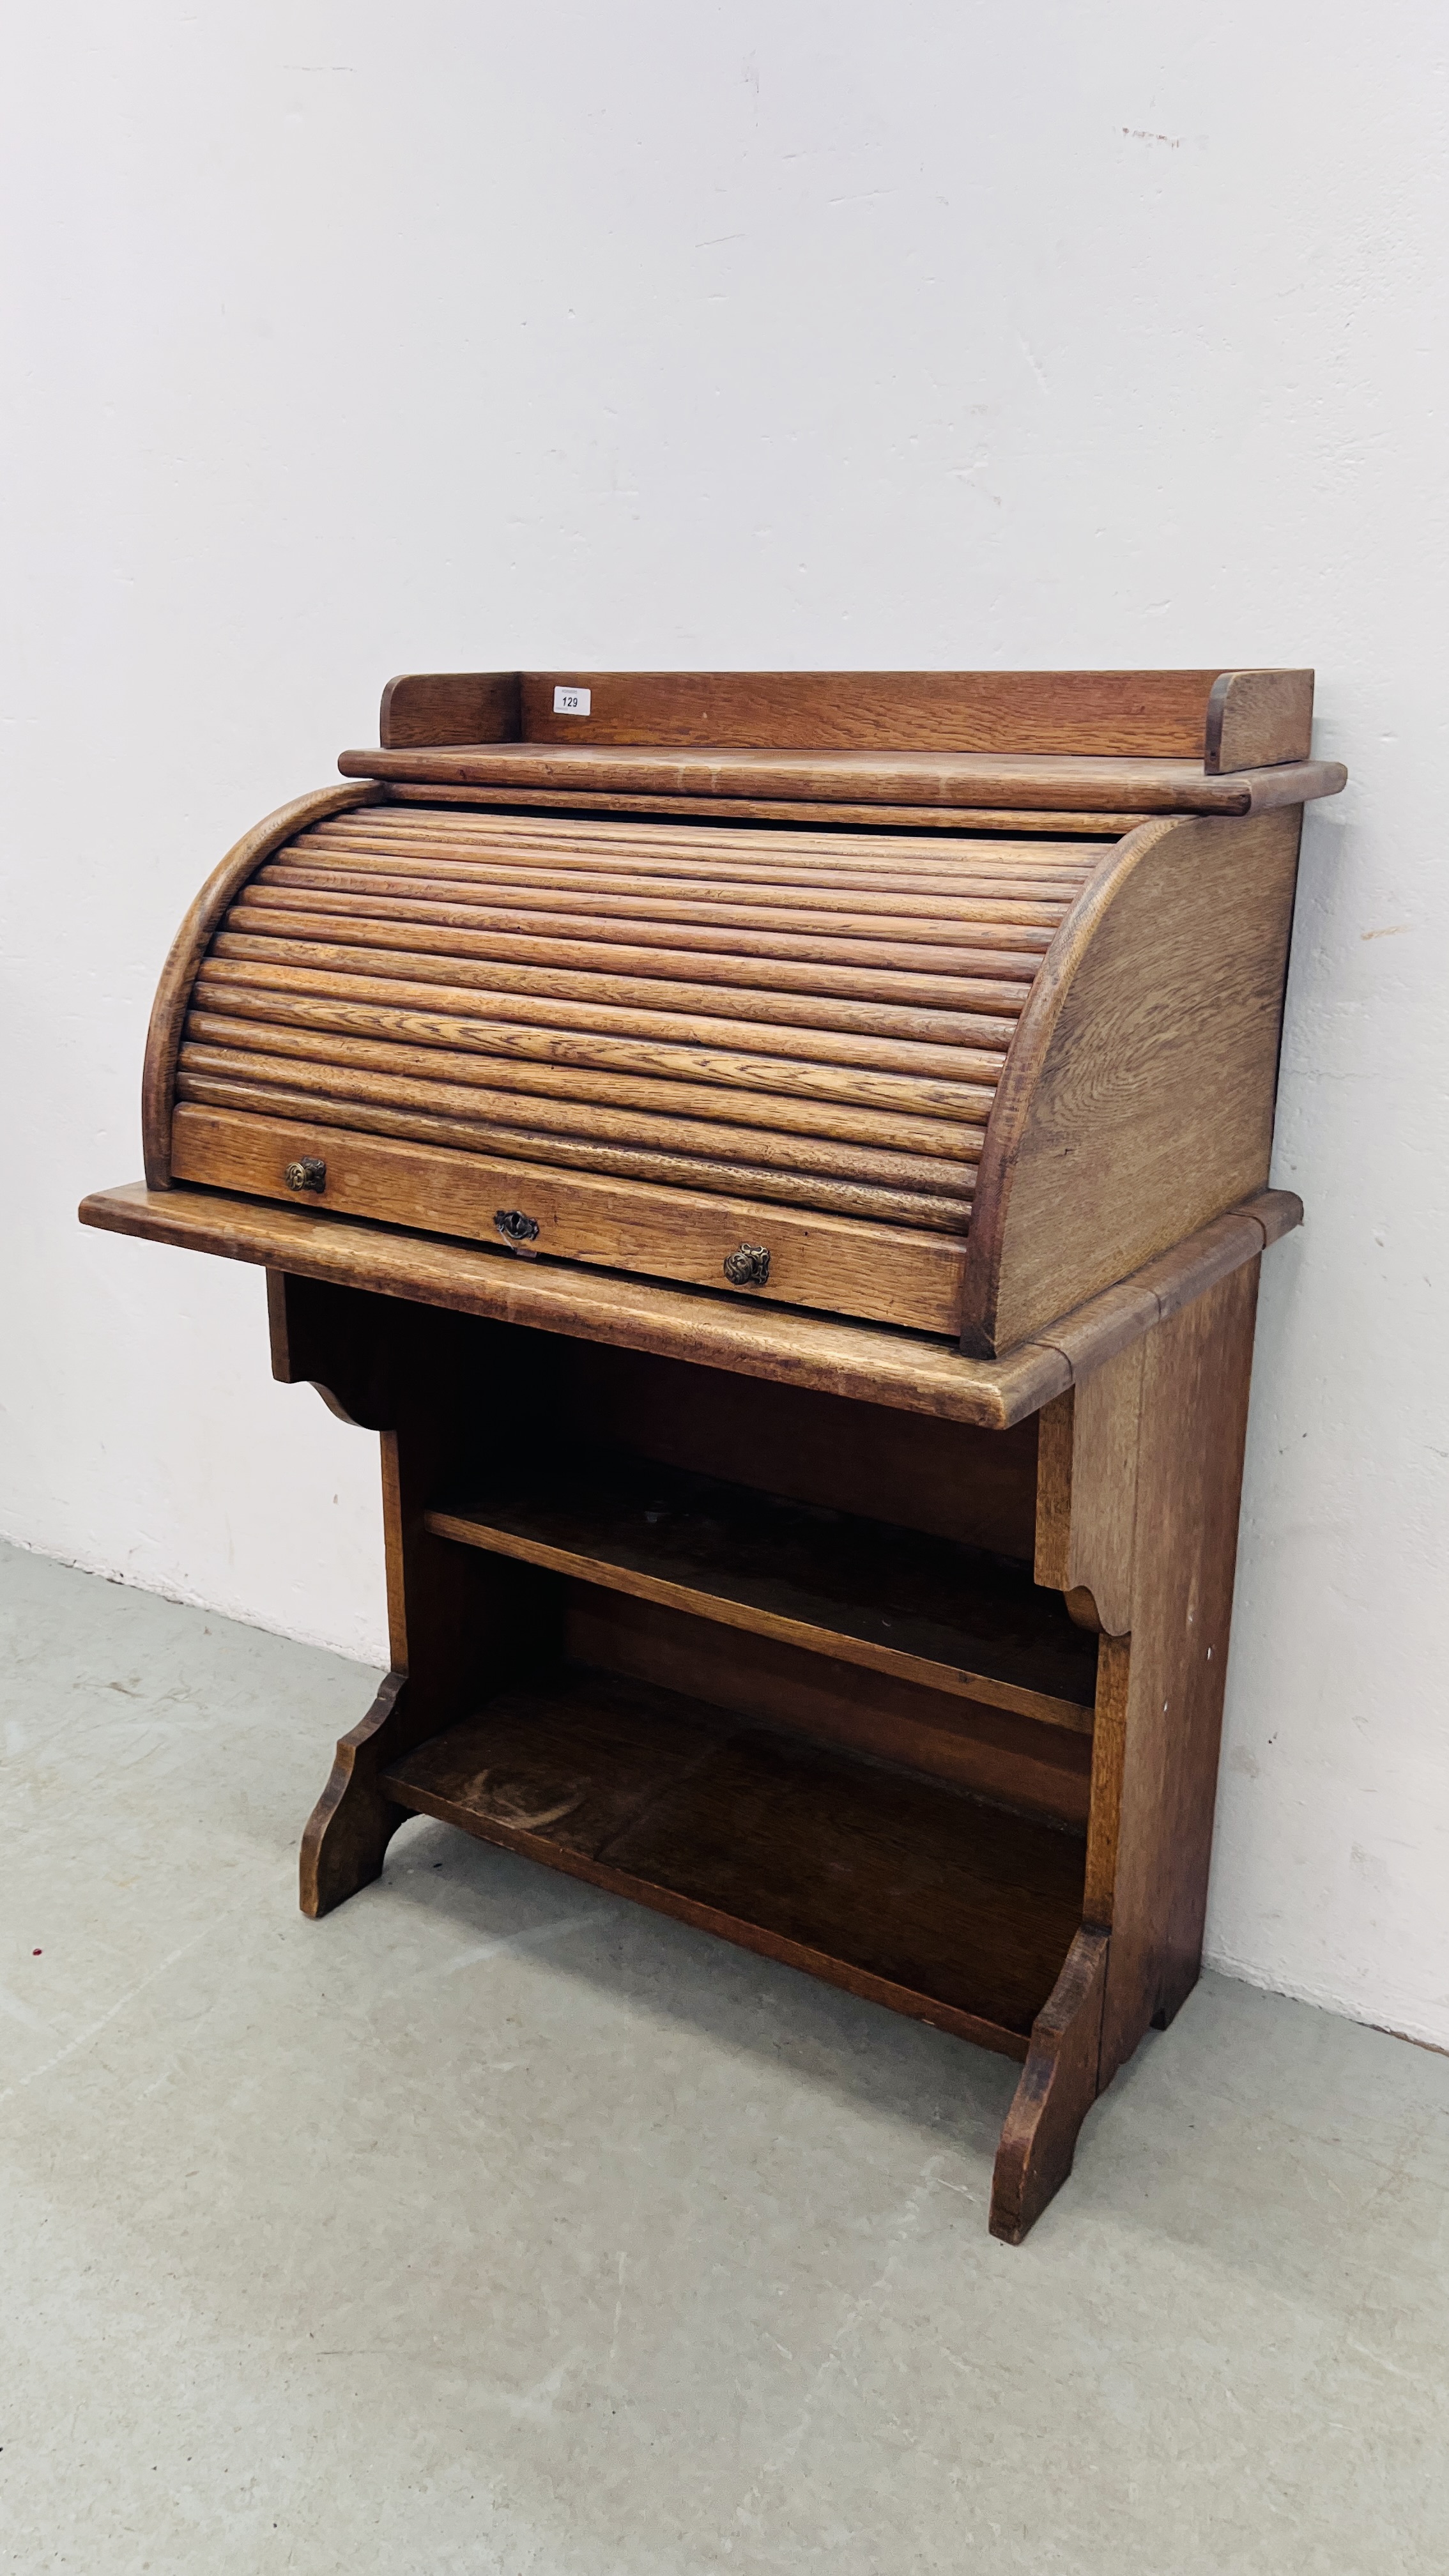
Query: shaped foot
point(350, 1827)
point(1057, 2089)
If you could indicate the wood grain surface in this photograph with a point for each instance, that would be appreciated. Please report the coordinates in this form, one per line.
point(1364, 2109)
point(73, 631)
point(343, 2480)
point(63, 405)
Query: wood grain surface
point(1086, 1505)
point(1057, 2089)
point(1109, 1757)
point(1155, 712)
point(907, 778)
point(1196, 1371)
point(459, 1622)
point(839, 813)
point(449, 706)
point(845, 1266)
point(814, 1020)
point(704, 1031)
point(926, 1610)
point(767, 1603)
point(895, 1888)
point(723, 1739)
point(1256, 718)
point(908, 1371)
point(847, 1179)
point(539, 1396)
point(949, 1479)
point(1011, 1760)
point(1137, 1103)
point(173, 993)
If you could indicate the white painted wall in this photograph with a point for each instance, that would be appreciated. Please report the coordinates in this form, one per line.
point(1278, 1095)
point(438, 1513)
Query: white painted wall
point(348, 339)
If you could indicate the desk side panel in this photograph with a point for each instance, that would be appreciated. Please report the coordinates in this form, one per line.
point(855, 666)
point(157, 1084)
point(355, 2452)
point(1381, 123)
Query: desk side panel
point(1138, 1099)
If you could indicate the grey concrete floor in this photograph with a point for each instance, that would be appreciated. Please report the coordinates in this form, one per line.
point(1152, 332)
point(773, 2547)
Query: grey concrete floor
point(496, 2225)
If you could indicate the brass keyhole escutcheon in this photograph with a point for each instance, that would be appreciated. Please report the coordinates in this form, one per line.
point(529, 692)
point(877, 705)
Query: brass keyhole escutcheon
point(749, 1267)
point(309, 1172)
point(517, 1229)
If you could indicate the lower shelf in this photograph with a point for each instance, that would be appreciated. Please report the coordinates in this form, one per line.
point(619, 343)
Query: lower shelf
point(899, 1888)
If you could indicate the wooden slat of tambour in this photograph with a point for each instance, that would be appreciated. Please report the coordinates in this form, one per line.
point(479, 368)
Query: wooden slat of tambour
point(924, 1083)
point(939, 1174)
point(818, 905)
point(585, 910)
point(504, 934)
point(834, 889)
point(811, 1020)
point(643, 1160)
point(784, 1112)
point(386, 811)
point(530, 959)
point(488, 1113)
point(654, 1041)
point(634, 1006)
point(680, 1171)
point(832, 911)
point(785, 933)
point(800, 844)
point(173, 992)
point(585, 841)
point(835, 911)
point(674, 898)
point(871, 865)
point(589, 840)
point(699, 827)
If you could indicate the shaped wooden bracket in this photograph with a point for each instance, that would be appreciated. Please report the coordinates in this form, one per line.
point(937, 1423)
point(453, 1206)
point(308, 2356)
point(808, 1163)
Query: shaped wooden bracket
point(1086, 1511)
point(1057, 2089)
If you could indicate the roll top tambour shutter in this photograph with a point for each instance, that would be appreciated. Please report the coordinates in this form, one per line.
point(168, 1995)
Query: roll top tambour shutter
point(767, 1018)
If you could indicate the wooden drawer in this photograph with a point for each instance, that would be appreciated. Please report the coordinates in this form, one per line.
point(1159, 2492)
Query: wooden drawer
point(878, 1272)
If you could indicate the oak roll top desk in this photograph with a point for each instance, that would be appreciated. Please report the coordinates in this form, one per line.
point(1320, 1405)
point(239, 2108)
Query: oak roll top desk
point(782, 1160)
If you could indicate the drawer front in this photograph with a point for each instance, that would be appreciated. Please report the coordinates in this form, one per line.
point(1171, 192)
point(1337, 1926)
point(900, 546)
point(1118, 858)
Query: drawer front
point(666, 1035)
point(881, 1273)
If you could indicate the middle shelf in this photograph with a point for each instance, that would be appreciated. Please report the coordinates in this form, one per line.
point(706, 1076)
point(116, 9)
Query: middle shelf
point(924, 1609)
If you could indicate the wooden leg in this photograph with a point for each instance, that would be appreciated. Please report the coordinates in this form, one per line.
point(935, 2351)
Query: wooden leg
point(1139, 1477)
point(350, 1827)
point(1195, 1375)
point(1186, 1977)
point(461, 1625)
point(1057, 2089)
point(432, 1596)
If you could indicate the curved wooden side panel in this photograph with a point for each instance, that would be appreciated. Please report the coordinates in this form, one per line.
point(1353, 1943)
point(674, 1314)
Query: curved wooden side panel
point(173, 993)
point(1256, 719)
point(424, 707)
point(1136, 1103)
